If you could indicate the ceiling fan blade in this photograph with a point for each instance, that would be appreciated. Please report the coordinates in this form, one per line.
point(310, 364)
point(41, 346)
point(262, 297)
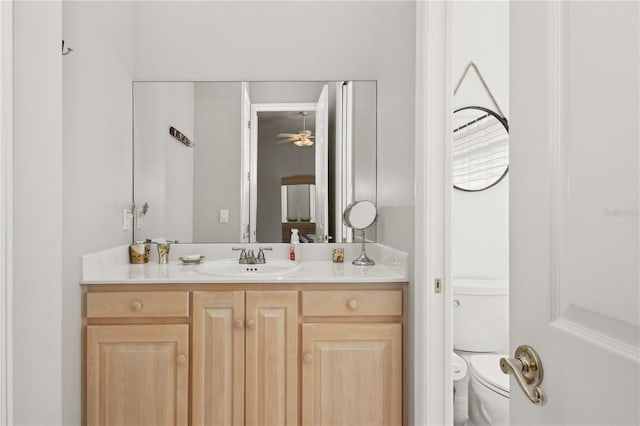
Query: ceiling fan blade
point(287, 135)
point(286, 141)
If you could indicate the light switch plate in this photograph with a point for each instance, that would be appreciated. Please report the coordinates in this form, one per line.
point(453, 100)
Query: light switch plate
point(224, 216)
point(126, 220)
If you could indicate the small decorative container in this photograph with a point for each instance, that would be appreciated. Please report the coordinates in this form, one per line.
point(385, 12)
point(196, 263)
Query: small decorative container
point(337, 255)
point(139, 252)
point(163, 252)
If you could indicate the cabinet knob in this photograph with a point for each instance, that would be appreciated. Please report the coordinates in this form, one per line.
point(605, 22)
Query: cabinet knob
point(136, 305)
point(239, 324)
point(181, 359)
point(251, 324)
point(307, 357)
point(352, 304)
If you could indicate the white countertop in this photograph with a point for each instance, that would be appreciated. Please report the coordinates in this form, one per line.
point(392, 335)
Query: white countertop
point(112, 267)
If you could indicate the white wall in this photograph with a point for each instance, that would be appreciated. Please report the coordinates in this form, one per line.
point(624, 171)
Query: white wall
point(37, 216)
point(97, 161)
point(350, 40)
point(480, 220)
point(164, 167)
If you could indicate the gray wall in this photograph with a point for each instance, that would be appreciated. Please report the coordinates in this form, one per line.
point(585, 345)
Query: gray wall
point(37, 214)
point(217, 162)
point(163, 172)
point(97, 163)
point(364, 145)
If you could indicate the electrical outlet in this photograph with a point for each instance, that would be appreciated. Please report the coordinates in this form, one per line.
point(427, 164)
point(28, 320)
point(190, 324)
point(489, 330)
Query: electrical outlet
point(126, 220)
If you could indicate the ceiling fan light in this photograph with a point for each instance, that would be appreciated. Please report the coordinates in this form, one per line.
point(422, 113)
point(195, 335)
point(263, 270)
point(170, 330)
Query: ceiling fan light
point(303, 142)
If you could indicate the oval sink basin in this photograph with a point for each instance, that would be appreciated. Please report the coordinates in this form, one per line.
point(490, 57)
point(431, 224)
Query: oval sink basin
point(231, 268)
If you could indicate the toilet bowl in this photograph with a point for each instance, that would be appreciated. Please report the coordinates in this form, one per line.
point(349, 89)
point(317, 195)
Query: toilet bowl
point(481, 330)
point(488, 392)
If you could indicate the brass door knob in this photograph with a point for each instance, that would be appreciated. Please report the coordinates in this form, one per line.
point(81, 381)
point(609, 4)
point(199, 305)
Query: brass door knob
point(526, 368)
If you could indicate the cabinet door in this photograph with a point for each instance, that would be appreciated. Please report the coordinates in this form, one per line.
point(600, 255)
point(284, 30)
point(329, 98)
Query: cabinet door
point(137, 374)
point(352, 374)
point(272, 358)
point(218, 358)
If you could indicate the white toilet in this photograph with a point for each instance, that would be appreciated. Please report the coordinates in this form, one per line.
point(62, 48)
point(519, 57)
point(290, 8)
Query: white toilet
point(481, 338)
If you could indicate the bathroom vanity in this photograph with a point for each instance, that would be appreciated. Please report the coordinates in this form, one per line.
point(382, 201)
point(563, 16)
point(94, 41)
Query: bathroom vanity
point(165, 344)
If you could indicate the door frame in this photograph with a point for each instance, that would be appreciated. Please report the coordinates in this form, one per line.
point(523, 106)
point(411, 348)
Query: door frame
point(253, 156)
point(432, 312)
point(343, 157)
point(6, 211)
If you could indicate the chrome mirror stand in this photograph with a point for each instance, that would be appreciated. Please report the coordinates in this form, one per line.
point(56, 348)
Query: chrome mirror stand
point(363, 259)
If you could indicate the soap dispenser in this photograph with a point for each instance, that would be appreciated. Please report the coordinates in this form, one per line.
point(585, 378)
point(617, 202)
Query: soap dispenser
point(294, 250)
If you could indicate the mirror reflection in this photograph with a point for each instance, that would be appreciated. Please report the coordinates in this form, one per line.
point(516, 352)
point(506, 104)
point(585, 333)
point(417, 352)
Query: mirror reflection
point(212, 159)
point(480, 148)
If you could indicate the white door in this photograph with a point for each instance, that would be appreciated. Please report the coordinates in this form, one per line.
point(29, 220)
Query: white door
point(574, 208)
point(322, 155)
point(343, 156)
point(245, 131)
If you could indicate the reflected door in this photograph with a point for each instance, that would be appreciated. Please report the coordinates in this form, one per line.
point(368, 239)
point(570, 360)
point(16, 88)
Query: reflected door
point(322, 156)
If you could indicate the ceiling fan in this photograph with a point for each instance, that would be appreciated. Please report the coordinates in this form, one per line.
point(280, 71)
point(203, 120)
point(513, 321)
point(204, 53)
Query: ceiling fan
point(302, 138)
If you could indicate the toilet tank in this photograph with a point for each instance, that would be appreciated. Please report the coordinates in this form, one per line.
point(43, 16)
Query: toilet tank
point(481, 315)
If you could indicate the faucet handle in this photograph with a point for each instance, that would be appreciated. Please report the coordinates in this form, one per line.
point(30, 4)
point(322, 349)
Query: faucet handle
point(261, 258)
point(243, 254)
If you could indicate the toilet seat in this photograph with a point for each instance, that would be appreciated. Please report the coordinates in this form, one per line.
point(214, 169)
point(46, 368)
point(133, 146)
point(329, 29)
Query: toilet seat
point(486, 370)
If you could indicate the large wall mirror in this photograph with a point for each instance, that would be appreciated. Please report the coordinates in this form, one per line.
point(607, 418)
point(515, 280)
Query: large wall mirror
point(210, 158)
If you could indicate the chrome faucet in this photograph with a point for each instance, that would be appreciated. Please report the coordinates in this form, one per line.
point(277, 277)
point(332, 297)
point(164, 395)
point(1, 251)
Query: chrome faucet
point(261, 259)
point(251, 257)
point(243, 260)
point(248, 257)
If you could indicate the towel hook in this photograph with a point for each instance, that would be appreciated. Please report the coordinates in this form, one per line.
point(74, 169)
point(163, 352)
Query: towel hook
point(69, 50)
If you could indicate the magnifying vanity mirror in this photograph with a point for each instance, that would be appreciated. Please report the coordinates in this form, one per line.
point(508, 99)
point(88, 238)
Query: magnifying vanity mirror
point(360, 215)
point(213, 161)
point(480, 148)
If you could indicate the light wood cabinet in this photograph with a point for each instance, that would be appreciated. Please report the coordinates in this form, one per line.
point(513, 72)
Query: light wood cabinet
point(254, 384)
point(244, 354)
point(351, 374)
point(352, 371)
point(137, 374)
point(218, 358)
point(272, 358)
